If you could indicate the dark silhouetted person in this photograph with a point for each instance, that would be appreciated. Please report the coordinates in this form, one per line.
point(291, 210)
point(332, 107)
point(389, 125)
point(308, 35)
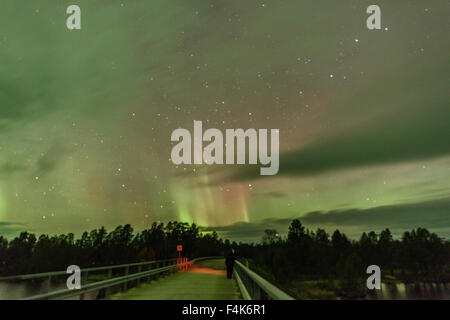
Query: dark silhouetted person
point(229, 261)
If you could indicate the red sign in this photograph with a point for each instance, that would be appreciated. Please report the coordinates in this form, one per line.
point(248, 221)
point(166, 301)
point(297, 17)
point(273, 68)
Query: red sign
point(179, 247)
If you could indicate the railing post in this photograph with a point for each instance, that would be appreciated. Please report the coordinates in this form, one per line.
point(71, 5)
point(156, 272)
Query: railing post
point(139, 279)
point(108, 290)
point(84, 281)
point(125, 285)
point(47, 284)
point(147, 268)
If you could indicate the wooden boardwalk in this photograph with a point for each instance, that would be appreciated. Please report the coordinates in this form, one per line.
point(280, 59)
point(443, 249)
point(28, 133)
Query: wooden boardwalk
point(205, 281)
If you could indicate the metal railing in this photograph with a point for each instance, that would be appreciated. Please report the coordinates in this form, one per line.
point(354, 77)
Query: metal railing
point(49, 276)
point(255, 287)
point(144, 270)
point(251, 285)
point(84, 270)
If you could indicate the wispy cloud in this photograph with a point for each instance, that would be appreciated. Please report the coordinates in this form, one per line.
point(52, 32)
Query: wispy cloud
point(10, 229)
point(431, 214)
point(8, 168)
point(52, 158)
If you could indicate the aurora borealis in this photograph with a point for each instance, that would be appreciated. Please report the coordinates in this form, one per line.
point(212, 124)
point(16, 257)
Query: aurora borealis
point(86, 115)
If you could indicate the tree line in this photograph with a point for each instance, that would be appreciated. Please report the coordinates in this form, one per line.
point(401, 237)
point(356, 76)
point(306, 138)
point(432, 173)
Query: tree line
point(418, 255)
point(302, 254)
point(29, 254)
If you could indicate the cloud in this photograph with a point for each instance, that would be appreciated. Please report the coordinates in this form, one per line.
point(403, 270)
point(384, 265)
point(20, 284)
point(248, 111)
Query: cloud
point(8, 168)
point(433, 215)
point(10, 229)
point(29, 94)
point(273, 194)
point(45, 74)
point(430, 214)
point(51, 159)
point(386, 121)
point(45, 164)
point(387, 143)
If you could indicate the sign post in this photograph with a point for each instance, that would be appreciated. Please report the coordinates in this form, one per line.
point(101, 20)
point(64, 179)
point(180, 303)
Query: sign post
point(179, 249)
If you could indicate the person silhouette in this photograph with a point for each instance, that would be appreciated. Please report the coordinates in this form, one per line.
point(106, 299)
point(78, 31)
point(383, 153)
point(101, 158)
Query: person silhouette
point(229, 261)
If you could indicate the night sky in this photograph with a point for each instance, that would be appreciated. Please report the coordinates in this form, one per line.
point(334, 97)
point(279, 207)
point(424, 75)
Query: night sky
point(86, 115)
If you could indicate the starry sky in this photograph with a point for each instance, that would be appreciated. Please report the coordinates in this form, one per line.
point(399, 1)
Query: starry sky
point(86, 115)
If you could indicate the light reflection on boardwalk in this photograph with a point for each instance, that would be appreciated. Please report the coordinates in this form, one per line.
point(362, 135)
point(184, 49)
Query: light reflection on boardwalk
point(204, 281)
point(222, 273)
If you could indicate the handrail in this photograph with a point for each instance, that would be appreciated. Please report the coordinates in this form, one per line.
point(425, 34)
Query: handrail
point(67, 293)
point(106, 284)
point(255, 284)
point(244, 292)
point(91, 269)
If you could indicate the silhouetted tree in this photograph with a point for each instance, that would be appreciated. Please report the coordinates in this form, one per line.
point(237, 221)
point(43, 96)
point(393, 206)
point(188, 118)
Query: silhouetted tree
point(270, 236)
